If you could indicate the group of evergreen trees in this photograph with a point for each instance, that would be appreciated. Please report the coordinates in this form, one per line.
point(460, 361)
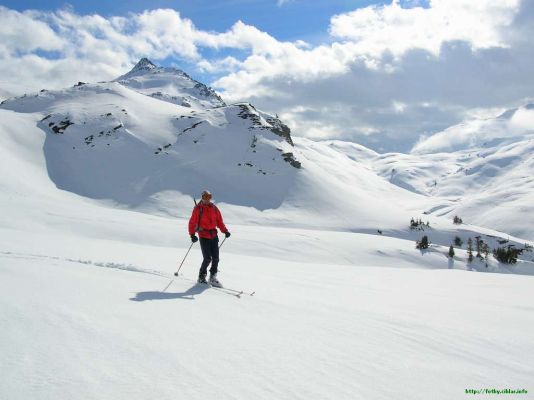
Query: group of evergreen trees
point(481, 248)
point(506, 255)
point(418, 224)
point(457, 220)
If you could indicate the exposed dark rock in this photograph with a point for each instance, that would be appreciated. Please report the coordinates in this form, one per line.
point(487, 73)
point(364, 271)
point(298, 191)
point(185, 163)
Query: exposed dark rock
point(60, 127)
point(192, 126)
point(206, 91)
point(280, 129)
point(248, 111)
point(290, 158)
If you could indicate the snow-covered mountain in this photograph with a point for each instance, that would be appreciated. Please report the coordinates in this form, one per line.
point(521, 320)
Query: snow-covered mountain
point(109, 141)
point(480, 170)
point(170, 84)
point(154, 137)
point(134, 142)
point(96, 191)
point(511, 126)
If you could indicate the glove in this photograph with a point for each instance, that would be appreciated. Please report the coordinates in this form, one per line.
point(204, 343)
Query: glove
point(194, 238)
point(227, 234)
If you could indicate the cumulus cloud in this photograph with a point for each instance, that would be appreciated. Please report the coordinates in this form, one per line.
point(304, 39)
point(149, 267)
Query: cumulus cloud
point(25, 33)
point(394, 73)
point(227, 64)
point(388, 74)
point(395, 29)
point(88, 47)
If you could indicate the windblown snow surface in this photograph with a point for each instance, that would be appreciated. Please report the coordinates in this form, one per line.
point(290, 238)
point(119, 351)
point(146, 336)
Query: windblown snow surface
point(92, 230)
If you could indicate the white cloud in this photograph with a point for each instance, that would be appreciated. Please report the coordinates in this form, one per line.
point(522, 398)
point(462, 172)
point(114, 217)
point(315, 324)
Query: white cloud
point(368, 36)
point(389, 73)
point(22, 32)
point(227, 64)
point(399, 107)
point(377, 29)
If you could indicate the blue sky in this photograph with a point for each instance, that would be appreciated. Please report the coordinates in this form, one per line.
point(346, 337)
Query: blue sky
point(295, 19)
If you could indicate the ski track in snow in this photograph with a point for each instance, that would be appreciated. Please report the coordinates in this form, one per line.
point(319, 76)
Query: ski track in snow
point(111, 265)
point(142, 296)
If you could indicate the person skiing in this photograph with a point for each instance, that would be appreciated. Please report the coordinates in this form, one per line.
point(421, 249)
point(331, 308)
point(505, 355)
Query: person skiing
point(205, 220)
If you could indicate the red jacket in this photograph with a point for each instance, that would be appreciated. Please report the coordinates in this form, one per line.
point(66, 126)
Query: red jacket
point(210, 219)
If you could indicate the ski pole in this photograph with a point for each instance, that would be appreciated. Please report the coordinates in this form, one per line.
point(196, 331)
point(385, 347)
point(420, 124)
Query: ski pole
point(180, 267)
point(222, 243)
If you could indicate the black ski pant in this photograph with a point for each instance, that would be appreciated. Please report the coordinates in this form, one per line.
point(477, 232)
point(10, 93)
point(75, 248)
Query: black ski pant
point(210, 252)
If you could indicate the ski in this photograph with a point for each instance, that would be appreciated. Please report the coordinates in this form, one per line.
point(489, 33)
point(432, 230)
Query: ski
point(233, 292)
point(227, 291)
point(240, 292)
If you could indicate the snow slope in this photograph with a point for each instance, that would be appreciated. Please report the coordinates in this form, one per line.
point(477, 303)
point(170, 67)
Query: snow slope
point(108, 141)
point(90, 237)
point(480, 170)
point(76, 329)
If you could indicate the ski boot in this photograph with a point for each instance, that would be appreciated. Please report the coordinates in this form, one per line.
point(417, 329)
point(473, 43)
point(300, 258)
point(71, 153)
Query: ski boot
point(214, 281)
point(202, 279)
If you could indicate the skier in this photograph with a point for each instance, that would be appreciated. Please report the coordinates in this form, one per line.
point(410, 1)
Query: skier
point(205, 218)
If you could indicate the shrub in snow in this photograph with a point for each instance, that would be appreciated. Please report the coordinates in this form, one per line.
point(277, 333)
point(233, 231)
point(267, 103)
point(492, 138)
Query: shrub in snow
point(458, 242)
point(507, 255)
point(423, 243)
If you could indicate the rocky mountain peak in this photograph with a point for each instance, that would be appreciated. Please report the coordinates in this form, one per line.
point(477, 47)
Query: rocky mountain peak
point(144, 64)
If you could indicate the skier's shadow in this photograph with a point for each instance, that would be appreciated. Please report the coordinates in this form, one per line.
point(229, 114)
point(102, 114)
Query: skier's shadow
point(189, 294)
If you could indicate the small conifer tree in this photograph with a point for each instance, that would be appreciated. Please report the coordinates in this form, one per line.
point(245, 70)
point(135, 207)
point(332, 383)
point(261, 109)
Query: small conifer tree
point(478, 245)
point(423, 243)
point(485, 250)
point(470, 250)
